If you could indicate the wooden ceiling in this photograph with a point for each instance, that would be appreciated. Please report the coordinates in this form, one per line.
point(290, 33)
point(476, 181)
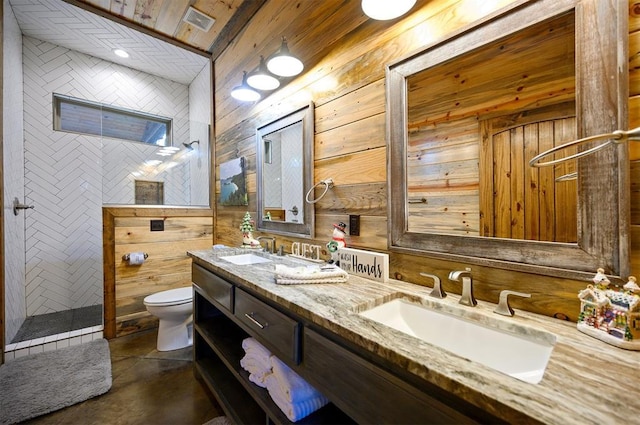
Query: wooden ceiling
point(164, 18)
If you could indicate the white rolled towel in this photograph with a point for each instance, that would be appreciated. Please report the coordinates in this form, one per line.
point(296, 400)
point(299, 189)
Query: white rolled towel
point(260, 381)
point(252, 345)
point(293, 410)
point(255, 365)
point(290, 384)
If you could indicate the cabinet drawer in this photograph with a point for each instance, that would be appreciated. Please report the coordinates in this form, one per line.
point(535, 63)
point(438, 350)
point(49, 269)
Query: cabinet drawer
point(276, 331)
point(366, 392)
point(216, 288)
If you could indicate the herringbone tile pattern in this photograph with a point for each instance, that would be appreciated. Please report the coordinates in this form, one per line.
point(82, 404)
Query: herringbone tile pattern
point(65, 174)
point(121, 157)
point(66, 25)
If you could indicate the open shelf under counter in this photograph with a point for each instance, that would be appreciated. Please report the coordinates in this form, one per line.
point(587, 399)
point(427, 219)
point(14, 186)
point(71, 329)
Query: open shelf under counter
point(218, 350)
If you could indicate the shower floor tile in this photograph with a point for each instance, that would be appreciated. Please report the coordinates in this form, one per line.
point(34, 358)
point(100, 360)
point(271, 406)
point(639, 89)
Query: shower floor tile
point(54, 323)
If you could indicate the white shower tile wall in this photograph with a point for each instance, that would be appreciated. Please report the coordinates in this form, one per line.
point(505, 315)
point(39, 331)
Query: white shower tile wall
point(65, 173)
point(52, 342)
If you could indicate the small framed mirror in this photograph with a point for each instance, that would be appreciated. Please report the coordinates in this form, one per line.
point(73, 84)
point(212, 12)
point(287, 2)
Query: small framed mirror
point(284, 173)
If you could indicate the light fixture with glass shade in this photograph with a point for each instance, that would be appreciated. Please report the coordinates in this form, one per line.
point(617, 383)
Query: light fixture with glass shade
point(244, 92)
point(386, 9)
point(283, 63)
point(262, 79)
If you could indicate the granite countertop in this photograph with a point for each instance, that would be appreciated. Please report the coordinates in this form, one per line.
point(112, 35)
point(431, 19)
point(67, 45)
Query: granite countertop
point(586, 380)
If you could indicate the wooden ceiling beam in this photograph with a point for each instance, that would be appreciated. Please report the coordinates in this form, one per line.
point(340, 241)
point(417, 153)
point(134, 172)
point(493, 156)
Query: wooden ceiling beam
point(237, 22)
point(131, 24)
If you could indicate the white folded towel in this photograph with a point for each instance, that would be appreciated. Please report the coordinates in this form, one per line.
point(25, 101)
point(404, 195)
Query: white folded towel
point(290, 384)
point(256, 361)
point(294, 410)
point(310, 274)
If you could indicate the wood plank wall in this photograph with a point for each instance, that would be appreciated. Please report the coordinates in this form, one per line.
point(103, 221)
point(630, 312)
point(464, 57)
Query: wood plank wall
point(344, 76)
point(634, 121)
point(127, 230)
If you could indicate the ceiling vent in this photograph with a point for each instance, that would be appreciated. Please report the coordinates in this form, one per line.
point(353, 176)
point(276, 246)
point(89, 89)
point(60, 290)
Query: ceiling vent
point(198, 19)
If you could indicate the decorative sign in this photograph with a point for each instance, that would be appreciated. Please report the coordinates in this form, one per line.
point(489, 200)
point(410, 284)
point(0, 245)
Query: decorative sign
point(370, 265)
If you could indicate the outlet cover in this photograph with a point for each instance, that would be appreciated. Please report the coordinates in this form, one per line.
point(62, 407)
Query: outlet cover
point(354, 225)
point(157, 225)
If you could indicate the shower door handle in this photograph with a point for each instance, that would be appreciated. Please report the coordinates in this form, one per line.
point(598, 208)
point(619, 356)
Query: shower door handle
point(18, 206)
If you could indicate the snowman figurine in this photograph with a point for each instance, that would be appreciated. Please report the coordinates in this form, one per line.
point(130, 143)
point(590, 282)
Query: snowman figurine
point(337, 242)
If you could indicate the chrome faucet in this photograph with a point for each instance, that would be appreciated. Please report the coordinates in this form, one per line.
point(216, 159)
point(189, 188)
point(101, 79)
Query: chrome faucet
point(467, 286)
point(437, 291)
point(269, 247)
point(503, 304)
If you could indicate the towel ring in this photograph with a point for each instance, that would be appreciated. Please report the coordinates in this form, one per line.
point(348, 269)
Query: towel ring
point(567, 177)
point(617, 137)
point(328, 184)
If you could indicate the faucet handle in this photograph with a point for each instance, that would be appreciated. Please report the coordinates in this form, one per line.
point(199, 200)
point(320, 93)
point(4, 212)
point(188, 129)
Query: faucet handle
point(455, 275)
point(437, 291)
point(269, 247)
point(503, 303)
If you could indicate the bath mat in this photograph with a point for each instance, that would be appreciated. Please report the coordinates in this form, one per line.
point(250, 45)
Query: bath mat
point(220, 420)
point(42, 383)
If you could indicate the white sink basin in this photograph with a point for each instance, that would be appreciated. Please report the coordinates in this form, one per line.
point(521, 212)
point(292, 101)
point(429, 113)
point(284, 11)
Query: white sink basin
point(520, 352)
point(245, 259)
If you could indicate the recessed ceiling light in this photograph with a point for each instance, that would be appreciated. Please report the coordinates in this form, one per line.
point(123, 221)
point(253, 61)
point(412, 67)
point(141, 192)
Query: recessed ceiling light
point(385, 9)
point(121, 53)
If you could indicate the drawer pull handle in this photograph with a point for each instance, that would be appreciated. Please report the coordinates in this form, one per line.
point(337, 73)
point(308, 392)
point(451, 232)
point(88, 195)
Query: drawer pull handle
point(250, 317)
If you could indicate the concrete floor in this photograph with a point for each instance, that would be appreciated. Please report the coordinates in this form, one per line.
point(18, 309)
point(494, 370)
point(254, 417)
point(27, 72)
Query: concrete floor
point(149, 387)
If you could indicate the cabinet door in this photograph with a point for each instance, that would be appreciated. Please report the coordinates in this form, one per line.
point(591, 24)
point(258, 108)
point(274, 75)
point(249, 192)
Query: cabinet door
point(275, 330)
point(366, 392)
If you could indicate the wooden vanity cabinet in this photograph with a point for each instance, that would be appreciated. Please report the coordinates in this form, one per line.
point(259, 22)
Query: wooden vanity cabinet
point(217, 341)
point(361, 390)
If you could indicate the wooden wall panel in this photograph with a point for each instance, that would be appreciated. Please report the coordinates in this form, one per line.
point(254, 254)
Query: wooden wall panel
point(634, 121)
point(344, 77)
point(634, 74)
point(367, 133)
point(167, 266)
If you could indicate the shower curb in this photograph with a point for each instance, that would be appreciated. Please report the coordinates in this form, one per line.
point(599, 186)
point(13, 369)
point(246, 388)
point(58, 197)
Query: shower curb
point(52, 342)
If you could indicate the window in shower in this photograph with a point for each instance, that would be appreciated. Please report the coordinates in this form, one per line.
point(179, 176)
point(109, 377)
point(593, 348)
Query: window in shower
point(85, 117)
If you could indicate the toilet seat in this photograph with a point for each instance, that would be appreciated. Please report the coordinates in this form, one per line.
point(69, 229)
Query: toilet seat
point(176, 296)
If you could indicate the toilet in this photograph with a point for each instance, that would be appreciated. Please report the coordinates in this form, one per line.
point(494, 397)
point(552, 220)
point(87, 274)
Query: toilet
point(174, 309)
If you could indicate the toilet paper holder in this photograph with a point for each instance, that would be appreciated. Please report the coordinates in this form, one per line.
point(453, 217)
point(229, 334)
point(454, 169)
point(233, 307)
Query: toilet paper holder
point(127, 257)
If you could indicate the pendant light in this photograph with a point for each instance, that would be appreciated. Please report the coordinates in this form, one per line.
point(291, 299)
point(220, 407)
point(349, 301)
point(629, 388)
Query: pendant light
point(244, 92)
point(385, 9)
point(283, 63)
point(262, 79)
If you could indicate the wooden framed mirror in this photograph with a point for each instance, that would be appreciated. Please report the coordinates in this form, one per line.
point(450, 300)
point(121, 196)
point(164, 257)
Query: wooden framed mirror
point(284, 172)
point(466, 114)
